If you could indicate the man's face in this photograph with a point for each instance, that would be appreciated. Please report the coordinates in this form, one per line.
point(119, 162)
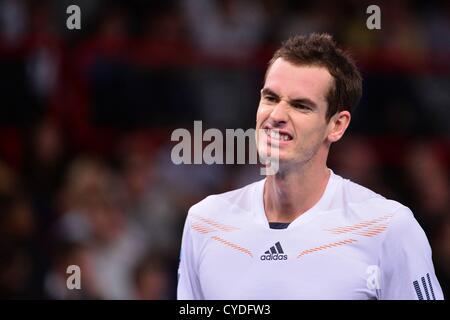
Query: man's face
point(292, 112)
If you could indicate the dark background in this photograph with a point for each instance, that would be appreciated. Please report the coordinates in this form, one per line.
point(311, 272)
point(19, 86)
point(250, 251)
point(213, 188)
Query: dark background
point(86, 117)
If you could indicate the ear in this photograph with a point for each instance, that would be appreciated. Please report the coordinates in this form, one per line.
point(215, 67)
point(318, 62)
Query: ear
point(337, 126)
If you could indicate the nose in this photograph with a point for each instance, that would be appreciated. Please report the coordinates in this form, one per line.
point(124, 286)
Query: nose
point(279, 115)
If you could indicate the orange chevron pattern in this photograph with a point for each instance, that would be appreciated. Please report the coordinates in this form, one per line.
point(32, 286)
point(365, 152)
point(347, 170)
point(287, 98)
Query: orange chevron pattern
point(215, 224)
point(326, 246)
point(201, 228)
point(233, 245)
point(373, 231)
point(360, 225)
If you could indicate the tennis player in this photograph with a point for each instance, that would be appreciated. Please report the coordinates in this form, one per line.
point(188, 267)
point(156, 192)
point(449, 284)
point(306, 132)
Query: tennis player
point(305, 232)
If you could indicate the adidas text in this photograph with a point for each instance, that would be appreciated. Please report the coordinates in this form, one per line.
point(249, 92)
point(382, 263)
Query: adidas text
point(274, 257)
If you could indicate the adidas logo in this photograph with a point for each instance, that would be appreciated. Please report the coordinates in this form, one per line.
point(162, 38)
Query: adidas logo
point(274, 253)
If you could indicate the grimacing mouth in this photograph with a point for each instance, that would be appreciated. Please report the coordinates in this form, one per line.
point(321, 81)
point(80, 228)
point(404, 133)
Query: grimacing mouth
point(277, 134)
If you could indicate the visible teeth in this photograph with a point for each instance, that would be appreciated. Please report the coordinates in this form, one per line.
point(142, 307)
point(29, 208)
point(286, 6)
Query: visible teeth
point(277, 135)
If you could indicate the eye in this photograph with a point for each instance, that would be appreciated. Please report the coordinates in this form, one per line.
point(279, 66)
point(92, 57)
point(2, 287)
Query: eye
point(270, 98)
point(302, 107)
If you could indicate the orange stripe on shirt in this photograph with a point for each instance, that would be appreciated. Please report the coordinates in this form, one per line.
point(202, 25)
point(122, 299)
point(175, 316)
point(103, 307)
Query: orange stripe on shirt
point(371, 232)
point(326, 246)
point(201, 228)
point(360, 225)
point(215, 224)
point(233, 245)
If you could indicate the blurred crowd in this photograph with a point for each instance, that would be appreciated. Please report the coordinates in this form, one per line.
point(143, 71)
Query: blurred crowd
point(86, 116)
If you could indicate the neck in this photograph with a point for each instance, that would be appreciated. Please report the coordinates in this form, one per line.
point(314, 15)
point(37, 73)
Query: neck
point(291, 192)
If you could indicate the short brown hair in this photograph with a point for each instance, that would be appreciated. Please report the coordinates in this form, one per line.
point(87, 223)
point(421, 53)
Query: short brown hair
point(321, 50)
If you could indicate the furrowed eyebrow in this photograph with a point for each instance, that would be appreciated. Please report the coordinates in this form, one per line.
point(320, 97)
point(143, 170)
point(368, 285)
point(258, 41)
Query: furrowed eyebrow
point(267, 91)
point(304, 101)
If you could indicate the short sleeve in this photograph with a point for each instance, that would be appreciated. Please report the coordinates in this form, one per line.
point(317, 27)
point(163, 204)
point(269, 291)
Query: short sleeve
point(188, 283)
point(407, 271)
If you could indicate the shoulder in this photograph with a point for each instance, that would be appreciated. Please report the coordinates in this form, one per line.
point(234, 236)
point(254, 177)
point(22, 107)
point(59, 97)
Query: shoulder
point(234, 202)
point(404, 229)
point(362, 199)
point(362, 204)
point(401, 220)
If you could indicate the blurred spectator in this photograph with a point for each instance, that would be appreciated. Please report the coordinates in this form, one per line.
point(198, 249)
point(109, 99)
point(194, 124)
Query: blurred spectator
point(434, 99)
point(64, 255)
point(21, 256)
point(152, 279)
point(15, 272)
point(13, 20)
point(437, 28)
point(429, 181)
point(307, 17)
point(43, 168)
point(355, 158)
point(146, 200)
point(234, 27)
point(94, 217)
point(406, 36)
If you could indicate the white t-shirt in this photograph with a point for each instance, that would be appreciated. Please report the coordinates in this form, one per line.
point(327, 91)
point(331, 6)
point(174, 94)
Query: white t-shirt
point(352, 244)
